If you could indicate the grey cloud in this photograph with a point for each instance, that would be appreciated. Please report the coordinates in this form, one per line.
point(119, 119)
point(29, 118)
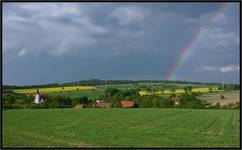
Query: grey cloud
point(224, 69)
point(50, 34)
point(230, 68)
point(129, 15)
point(116, 40)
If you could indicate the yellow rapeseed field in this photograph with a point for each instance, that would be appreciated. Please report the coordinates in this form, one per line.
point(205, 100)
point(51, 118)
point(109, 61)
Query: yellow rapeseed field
point(179, 91)
point(54, 89)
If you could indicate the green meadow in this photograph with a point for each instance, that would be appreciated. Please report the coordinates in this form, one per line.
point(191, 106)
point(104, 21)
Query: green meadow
point(117, 127)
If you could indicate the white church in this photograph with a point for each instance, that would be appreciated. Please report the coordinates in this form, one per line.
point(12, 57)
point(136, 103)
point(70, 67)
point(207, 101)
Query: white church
point(37, 97)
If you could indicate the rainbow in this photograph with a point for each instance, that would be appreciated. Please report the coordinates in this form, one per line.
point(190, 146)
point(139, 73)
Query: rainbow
point(186, 51)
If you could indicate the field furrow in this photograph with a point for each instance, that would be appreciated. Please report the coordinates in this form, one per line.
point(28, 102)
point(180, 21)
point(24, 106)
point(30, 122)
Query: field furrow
point(121, 128)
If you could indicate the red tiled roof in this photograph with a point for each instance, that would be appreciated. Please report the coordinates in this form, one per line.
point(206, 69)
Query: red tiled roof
point(127, 104)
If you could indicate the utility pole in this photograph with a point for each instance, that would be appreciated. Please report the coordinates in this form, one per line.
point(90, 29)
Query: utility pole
point(223, 84)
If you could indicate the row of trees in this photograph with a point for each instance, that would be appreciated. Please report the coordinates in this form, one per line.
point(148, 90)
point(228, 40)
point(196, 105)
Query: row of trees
point(188, 100)
point(111, 95)
point(114, 95)
point(12, 100)
point(95, 82)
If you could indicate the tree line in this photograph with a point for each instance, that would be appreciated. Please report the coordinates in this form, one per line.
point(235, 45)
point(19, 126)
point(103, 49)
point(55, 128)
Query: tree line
point(95, 82)
point(111, 95)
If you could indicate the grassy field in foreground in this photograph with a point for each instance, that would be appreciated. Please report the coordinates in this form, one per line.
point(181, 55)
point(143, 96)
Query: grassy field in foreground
point(121, 128)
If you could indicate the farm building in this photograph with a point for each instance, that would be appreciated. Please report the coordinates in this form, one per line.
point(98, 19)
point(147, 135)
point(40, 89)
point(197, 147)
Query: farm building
point(176, 99)
point(103, 105)
point(127, 104)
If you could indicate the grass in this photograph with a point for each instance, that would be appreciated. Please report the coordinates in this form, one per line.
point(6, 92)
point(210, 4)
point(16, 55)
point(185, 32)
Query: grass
point(121, 128)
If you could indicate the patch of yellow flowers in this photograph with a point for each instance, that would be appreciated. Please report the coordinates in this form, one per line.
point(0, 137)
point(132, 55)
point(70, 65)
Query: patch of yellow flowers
point(179, 91)
point(54, 89)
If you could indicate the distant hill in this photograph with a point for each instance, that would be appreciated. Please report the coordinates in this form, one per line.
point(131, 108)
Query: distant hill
point(94, 82)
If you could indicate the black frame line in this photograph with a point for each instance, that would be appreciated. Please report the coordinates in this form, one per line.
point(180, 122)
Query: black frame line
point(112, 1)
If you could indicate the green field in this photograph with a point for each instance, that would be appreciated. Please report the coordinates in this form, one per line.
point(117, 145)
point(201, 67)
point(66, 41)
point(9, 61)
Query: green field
point(229, 97)
point(121, 128)
point(96, 94)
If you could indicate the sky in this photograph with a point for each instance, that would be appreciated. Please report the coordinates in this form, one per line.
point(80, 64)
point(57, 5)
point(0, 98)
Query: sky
point(62, 42)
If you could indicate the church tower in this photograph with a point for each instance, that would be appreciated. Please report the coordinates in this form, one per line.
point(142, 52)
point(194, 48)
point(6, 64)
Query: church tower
point(37, 97)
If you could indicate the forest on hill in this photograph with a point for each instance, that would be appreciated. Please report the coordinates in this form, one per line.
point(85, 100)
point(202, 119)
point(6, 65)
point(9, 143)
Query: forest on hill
point(94, 82)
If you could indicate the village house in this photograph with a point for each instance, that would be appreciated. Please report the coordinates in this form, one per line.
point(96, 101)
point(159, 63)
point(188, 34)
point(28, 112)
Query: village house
point(127, 104)
point(102, 104)
point(176, 99)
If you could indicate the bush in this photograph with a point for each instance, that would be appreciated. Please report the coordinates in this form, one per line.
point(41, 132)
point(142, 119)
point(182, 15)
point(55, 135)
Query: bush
point(237, 105)
point(35, 106)
point(44, 104)
point(12, 100)
point(190, 101)
point(53, 102)
point(114, 95)
point(130, 94)
point(155, 103)
point(196, 93)
point(9, 98)
point(165, 103)
point(172, 95)
point(221, 96)
point(217, 105)
point(118, 96)
point(65, 102)
point(74, 102)
point(146, 103)
point(116, 104)
point(110, 92)
point(82, 100)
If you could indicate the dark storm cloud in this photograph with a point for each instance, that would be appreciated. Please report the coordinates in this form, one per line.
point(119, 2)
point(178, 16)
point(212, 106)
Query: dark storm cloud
point(58, 42)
